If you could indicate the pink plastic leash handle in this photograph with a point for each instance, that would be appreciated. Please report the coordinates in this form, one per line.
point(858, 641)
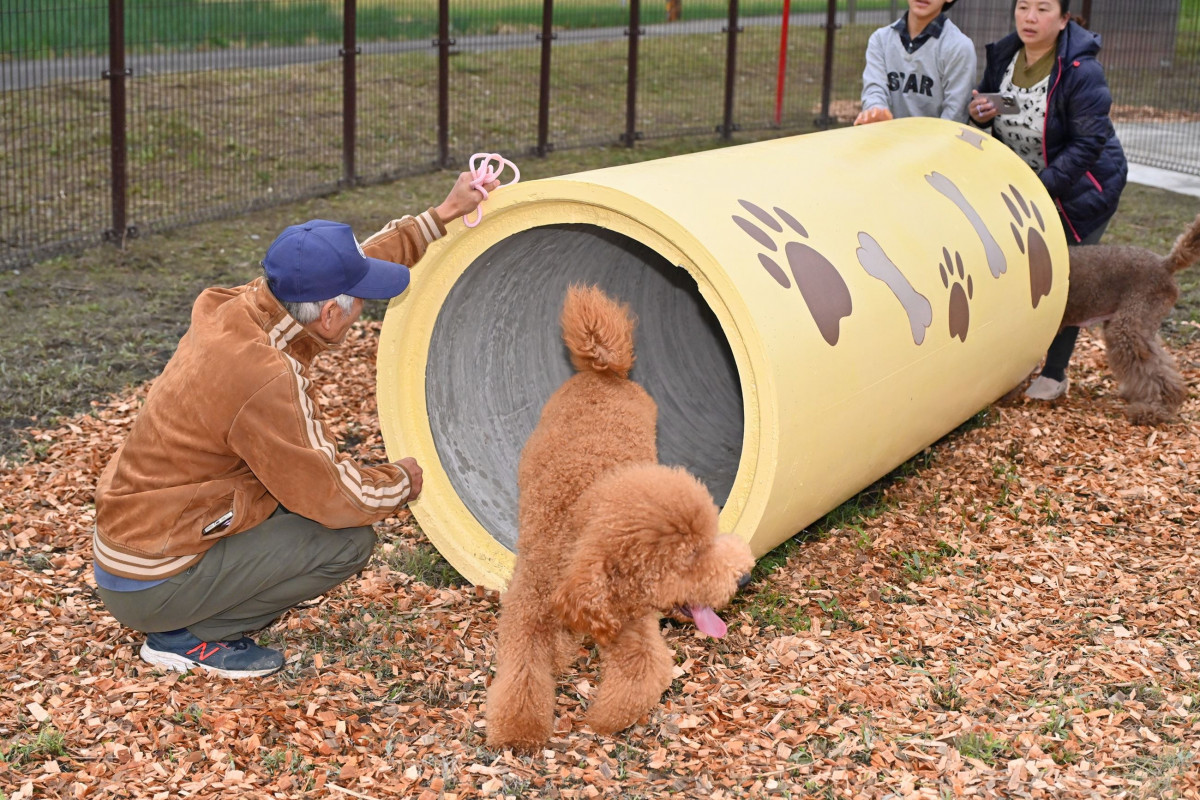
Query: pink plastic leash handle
point(483, 172)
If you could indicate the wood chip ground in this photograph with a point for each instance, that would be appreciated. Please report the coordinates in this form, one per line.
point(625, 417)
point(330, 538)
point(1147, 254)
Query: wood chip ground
point(1019, 618)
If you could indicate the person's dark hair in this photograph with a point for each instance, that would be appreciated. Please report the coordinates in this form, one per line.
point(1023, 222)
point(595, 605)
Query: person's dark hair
point(1063, 5)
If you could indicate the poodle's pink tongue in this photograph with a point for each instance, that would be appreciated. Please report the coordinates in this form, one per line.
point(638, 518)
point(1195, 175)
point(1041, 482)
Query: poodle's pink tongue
point(707, 621)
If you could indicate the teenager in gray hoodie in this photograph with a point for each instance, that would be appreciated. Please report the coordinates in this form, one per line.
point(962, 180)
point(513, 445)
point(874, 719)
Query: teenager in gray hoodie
point(922, 65)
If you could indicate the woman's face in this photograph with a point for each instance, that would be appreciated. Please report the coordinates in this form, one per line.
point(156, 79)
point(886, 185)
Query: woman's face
point(1039, 22)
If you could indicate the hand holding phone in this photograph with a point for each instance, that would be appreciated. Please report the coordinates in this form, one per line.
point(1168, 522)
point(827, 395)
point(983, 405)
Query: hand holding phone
point(1003, 102)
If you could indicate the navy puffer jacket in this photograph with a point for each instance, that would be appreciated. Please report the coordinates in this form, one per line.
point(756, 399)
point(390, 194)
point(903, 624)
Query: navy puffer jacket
point(1085, 165)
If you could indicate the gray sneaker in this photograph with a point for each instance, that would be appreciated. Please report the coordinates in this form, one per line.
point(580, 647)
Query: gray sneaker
point(180, 651)
point(1047, 388)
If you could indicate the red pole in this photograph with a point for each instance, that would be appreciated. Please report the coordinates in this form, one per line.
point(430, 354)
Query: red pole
point(787, 16)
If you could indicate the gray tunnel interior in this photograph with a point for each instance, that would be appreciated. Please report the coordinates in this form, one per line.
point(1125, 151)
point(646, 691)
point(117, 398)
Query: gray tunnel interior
point(496, 355)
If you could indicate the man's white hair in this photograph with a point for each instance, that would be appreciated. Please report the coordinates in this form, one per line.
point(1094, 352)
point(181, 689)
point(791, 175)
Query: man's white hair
point(305, 313)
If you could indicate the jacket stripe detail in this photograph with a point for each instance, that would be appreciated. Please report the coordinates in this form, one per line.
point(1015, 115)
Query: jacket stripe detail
point(142, 567)
point(369, 495)
point(348, 475)
point(284, 331)
point(1095, 182)
point(1070, 225)
point(428, 228)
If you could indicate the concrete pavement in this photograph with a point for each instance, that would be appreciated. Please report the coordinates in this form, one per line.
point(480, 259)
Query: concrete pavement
point(1180, 182)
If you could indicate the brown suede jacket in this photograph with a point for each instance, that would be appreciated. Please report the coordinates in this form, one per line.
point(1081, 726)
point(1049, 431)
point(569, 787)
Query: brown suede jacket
point(232, 428)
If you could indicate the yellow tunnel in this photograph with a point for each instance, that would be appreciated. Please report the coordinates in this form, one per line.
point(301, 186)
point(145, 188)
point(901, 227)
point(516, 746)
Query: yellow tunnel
point(813, 311)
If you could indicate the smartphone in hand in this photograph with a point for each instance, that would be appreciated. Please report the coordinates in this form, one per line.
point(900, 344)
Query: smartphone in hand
point(1004, 102)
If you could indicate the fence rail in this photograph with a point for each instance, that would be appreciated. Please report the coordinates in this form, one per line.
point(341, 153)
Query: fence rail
point(191, 110)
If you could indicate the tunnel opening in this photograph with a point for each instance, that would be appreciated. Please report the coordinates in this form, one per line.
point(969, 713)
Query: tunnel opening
point(496, 355)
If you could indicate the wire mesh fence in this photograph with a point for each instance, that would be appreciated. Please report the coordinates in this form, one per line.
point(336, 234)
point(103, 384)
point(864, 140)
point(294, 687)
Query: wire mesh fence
point(121, 116)
point(1154, 72)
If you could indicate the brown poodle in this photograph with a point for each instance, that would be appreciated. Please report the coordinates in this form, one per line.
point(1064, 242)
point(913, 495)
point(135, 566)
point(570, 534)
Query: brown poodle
point(1131, 290)
point(609, 541)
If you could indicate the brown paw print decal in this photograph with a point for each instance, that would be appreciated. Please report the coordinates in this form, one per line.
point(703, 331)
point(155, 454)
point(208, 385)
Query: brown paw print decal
point(879, 266)
point(997, 263)
point(1031, 242)
point(953, 277)
point(820, 284)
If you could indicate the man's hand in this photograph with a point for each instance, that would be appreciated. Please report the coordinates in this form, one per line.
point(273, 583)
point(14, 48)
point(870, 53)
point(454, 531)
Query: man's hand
point(463, 199)
point(413, 469)
point(869, 115)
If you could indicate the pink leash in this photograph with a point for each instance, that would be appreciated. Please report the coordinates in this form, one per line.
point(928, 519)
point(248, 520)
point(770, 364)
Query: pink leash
point(482, 171)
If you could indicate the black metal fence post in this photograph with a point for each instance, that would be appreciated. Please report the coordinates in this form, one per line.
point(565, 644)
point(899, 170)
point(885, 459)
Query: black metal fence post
point(545, 37)
point(349, 53)
point(118, 147)
point(443, 43)
point(732, 29)
point(831, 26)
point(634, 33)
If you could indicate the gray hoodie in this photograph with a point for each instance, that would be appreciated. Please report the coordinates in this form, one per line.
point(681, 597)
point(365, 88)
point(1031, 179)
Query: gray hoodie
point(930, 76)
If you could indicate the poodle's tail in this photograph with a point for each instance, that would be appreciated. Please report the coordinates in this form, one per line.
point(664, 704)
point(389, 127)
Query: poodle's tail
point(1186, 250)
point(598, 331)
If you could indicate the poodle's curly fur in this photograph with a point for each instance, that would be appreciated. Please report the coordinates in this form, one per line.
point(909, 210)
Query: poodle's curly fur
point(1131, 290)
point(609, 540)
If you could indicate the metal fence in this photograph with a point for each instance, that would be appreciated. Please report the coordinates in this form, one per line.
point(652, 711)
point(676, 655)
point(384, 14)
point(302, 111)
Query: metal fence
point(121, 117)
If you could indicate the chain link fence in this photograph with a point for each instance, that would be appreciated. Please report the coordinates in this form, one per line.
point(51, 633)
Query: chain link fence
point(119, 117)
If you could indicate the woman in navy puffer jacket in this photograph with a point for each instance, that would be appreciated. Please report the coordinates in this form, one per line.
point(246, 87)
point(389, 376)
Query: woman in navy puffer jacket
point(1061, 129)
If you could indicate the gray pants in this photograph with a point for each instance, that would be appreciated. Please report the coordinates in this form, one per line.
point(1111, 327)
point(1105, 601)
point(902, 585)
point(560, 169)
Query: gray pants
point(247, 580)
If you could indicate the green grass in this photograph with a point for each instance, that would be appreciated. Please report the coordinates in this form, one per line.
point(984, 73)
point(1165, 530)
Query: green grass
point(982, 746)
point(211, 144)
point(770, 608)
point(423, 563)
point(46, 745)
point(1157, 774)
point(42, 30)
point(1189, 16)
point(94, 323)
point(916, 565)
point(289, 761)
point(838, 615)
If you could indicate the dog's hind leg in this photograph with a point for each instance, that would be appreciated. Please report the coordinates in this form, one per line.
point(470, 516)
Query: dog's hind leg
point(635, 669)
point(1155, 391)
point(1128, 341)
point(1173, 387)
point(1148, 377)
point(520, 701)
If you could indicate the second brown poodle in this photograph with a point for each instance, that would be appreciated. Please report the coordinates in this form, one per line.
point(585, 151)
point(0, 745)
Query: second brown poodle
point(1131, 290)
point(609, 541)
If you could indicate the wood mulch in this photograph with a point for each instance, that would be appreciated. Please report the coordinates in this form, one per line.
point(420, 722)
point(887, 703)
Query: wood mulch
point(1020, 620)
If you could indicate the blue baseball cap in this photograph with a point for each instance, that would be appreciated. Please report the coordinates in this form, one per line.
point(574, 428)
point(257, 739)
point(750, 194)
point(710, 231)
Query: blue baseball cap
point(319, 260)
